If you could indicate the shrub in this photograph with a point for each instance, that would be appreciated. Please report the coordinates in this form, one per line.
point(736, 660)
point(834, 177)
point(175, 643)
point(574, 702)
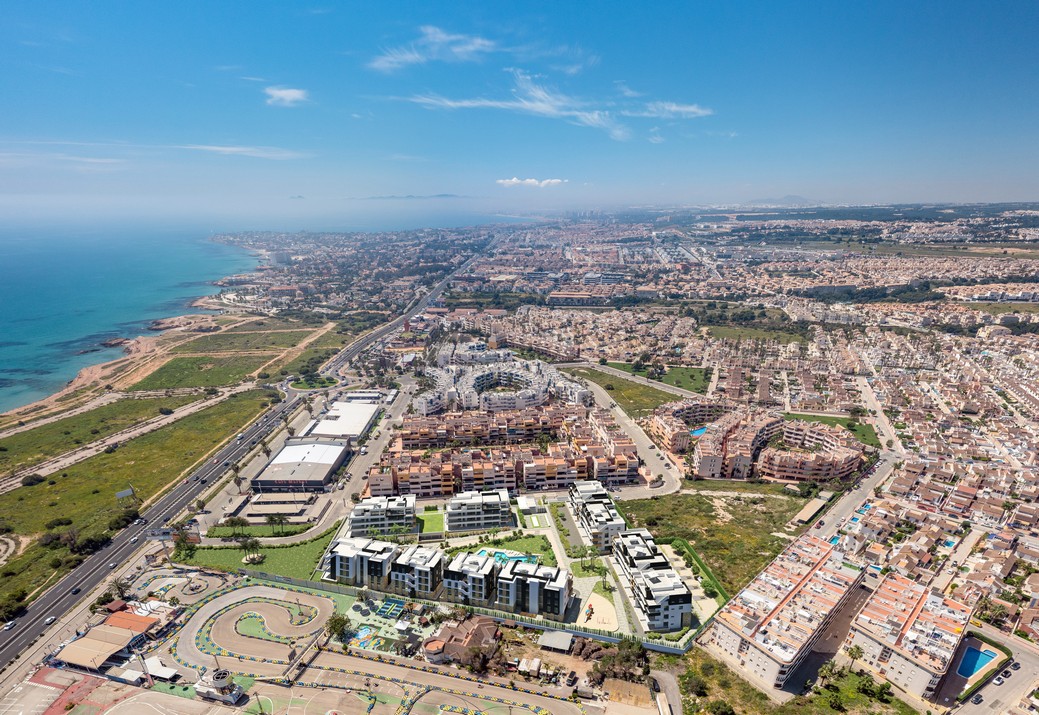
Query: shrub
point(30, 480)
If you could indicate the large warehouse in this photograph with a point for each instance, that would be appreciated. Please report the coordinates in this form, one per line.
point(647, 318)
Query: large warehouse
point(304, 465)
point(345, 420)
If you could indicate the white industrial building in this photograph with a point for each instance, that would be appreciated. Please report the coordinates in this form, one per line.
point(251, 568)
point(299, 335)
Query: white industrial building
point(345, 420)
point(301, 465)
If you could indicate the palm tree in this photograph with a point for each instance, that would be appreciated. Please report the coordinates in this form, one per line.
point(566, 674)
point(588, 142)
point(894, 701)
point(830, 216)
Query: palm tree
point(236, 523)
point(826, 671)
point(121, 587)
point(855, 652)
point(272, 521)
point(266, 448)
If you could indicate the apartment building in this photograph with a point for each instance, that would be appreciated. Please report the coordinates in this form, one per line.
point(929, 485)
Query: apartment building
point(506, 427)
point(770, 626)
point(470, 579)
point(476, 511)
point(662, 601)
point(729, 446)
point(596, 516)
point(811, 452)
point(417, 572)
point(909, 634)
point(377, 516)
point(360, 562)
point(534, 589)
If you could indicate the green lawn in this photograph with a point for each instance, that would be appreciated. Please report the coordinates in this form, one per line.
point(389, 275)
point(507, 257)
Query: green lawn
point(296, 561)
point(86, 492)
point(431, 522)
point(863, 431)
point(314, 384)
point(585, 567)
point(635, 399)
point(241, 341)
point(268, 324)
point(202, 372)
point(733, 534)
point(534, 545)
point(315, 357)
point(41, 443)
point(258, 530)
point(1001, 308)
point(723, 685)
point(688, 378)
point(721, 332)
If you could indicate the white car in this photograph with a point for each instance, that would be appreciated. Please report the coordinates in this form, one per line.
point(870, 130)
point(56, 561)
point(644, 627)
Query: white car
point(50, 620)
point(9, 625)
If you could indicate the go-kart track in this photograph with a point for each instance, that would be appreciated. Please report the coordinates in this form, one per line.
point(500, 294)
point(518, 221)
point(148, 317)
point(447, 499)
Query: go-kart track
point(256, 630)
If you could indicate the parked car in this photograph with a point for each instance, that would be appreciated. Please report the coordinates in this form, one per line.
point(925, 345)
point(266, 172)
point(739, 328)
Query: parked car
point(977, 699)
point(1015, 665)
point(998, 681)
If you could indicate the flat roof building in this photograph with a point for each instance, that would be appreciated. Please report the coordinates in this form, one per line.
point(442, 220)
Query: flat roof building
point(304, 465)
point(346, 420)
point(417, 572)
point(662, 600)
point(377, 516)
point(596, 516)
point(909, 634)
point(770, 626)
point(470, 579)
point(534, 589)
point(360, 562)
point(475, 511)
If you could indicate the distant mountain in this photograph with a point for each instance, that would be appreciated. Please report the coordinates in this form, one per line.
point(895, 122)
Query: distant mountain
point(787, 201)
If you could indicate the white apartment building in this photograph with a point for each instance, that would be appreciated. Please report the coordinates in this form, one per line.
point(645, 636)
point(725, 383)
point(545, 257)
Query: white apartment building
point(596, 516)
point(360, 562)
point(417, 572)
point(475, 511)
point(376, 516)
point(534, 589)
point(662, 601)
point(770, 626)
point(909, 634)
point(470, 579)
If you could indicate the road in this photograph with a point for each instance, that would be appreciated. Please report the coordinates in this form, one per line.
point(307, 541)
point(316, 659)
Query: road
point(59, 599)
point(854, 498)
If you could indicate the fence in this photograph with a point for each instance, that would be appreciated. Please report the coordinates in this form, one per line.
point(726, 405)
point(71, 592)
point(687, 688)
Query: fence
point(678, 648)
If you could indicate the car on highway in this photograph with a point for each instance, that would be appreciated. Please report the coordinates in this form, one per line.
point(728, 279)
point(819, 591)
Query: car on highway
point(75, 590)
point(50, 620)
point(9, 625)
point(134, 540)
point(112, 565)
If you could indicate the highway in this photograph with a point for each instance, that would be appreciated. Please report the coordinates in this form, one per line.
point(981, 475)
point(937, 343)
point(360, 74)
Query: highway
point(58, 599)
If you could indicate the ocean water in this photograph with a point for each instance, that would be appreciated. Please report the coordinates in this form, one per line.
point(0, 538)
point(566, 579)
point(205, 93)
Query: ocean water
point(62, 292)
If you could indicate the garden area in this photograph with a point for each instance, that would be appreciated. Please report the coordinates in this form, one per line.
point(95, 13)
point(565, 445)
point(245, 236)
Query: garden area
point(863, 431)
point(294, 560)
point(636, 400)
point(688, 378)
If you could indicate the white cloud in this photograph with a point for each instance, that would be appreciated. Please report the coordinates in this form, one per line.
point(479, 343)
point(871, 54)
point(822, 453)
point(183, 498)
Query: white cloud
point(532, 98)
point(432, 45)
point(654, 136)
point(285, 96)
point(531, 182)
point(257, 152)
point(625, 90)
point(670, 110)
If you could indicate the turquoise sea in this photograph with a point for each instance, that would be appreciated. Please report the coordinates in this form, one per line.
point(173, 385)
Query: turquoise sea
point(62, 292)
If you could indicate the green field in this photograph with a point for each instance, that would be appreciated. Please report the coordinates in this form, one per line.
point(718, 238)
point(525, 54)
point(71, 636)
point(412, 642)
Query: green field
point(431, 522)
point(720, 332)
point(240, 341)
point(266, 324)
point(315, 357)
point(315, 384)
point(257, 530)
point(1001, 308)
point(863, 431)
point(688, 378)
point(202, 372)
point(296, 561)
point(39, 444)
point(635, 399)
point(733, 536)
point(85, 492)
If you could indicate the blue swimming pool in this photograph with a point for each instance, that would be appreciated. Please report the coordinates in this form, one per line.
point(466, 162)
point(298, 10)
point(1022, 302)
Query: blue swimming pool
point(974, 661)
point(503, 558)
point(835, 539)
point(698, 431)
point(854, 519)
point(949, 543)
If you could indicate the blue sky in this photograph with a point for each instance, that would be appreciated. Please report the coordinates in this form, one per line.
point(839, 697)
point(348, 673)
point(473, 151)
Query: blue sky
point(287, 114)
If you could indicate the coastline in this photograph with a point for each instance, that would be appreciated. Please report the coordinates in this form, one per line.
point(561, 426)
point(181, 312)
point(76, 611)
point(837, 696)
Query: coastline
point(91, 380)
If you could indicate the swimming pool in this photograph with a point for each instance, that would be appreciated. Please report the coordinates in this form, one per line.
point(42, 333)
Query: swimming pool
point(949, 543)
point(698, 432)
point(854, 519)
point(974, 661)
point(835, 539)
point(503, 558)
